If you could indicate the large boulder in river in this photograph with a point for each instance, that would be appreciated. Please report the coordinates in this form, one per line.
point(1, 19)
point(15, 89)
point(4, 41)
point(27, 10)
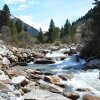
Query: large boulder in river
point(93, 64)
point(44, 61)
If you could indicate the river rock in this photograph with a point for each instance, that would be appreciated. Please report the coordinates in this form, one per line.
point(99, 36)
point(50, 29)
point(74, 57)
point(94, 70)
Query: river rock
point(38, 94)
point(50, 87)
point(93, 64)
point(14, 72)
point(12, 58)
point(71, 95)
point(83, 90)
point(3, 76)
point(38, 55)
point(90, 97)
point(52, 79)
point(66, 76)
point(26, 89)
point(18, 79)
point(44, 61)
point(5, 61)
point(3, 86)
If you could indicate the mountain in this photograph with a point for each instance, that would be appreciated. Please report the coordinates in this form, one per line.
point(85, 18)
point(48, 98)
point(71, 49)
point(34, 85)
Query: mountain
point(31, 30)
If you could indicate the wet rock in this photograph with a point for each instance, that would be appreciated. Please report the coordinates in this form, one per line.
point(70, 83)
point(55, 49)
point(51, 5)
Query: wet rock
point(66, 76)
point(47, 73)
point(52, 79)
point(37, 72)
point(43, 61)
point(23, 63)
point(93, 64)
point(83, 90)
point(90, 97)
point(71, 95)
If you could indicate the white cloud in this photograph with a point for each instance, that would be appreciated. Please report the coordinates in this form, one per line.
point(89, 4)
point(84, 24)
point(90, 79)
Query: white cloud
point(22, 7)
point(14, 1)
point(29, 20)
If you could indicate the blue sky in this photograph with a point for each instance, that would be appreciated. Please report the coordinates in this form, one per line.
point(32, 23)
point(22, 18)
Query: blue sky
point(38, 13)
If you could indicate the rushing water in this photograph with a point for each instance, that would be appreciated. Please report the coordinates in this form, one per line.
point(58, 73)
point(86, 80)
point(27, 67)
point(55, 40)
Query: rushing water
point(82, 79)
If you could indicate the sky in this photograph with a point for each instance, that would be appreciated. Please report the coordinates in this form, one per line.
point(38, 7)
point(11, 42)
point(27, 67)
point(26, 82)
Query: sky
point(38, 13)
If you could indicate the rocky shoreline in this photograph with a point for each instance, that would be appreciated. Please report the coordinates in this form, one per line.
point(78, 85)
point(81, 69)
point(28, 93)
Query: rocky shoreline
point(28, 84)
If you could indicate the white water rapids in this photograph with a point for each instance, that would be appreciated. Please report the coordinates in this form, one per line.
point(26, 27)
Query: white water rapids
point(82, 79)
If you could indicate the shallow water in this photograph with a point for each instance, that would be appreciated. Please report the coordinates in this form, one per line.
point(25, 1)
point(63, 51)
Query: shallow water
point(82, 79)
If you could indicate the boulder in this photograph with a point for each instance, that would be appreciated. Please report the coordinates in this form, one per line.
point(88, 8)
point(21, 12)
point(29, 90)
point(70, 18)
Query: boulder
point(24, 83)
point(66, 76)
point(34, 77)
point(23, 63)
point(3, 76)
point(39, 94)
point(18, 79)
point(52, 79)
point(93, 64)
point(38, 55)
point(5, 61)
point(50, 87)
point(26, 90)
point(71, 95)
point(90, 97)
point(15, 72)
point(25, 55)
point(13, 58)
point(44, 61)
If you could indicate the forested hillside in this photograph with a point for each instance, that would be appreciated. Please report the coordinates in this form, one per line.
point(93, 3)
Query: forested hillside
point(88, 27)
point(14, 31)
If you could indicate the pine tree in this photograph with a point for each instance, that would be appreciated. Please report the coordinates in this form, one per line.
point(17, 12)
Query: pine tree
point(51, 32)
point(25, 28)
point(6, 15)
point(40, 36)
point(62, 32)
point(14, 32)
point(67, 28)
point(18, 26)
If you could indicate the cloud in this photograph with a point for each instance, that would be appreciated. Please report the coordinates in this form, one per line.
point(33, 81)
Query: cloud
point(22, 7)
point(29, 20)
point(14, 1)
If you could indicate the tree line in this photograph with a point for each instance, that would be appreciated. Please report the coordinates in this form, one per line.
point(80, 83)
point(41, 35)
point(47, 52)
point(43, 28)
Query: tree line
point(16, 25)
point(54, 34)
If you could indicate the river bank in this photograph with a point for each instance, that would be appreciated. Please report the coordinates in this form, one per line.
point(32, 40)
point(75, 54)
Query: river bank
point(64, 79)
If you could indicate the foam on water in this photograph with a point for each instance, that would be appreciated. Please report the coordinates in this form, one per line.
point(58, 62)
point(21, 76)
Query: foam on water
point(82, 79)
point(85, 80)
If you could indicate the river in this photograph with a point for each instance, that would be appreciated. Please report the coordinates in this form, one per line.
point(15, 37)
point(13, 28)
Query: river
point(82, 79)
